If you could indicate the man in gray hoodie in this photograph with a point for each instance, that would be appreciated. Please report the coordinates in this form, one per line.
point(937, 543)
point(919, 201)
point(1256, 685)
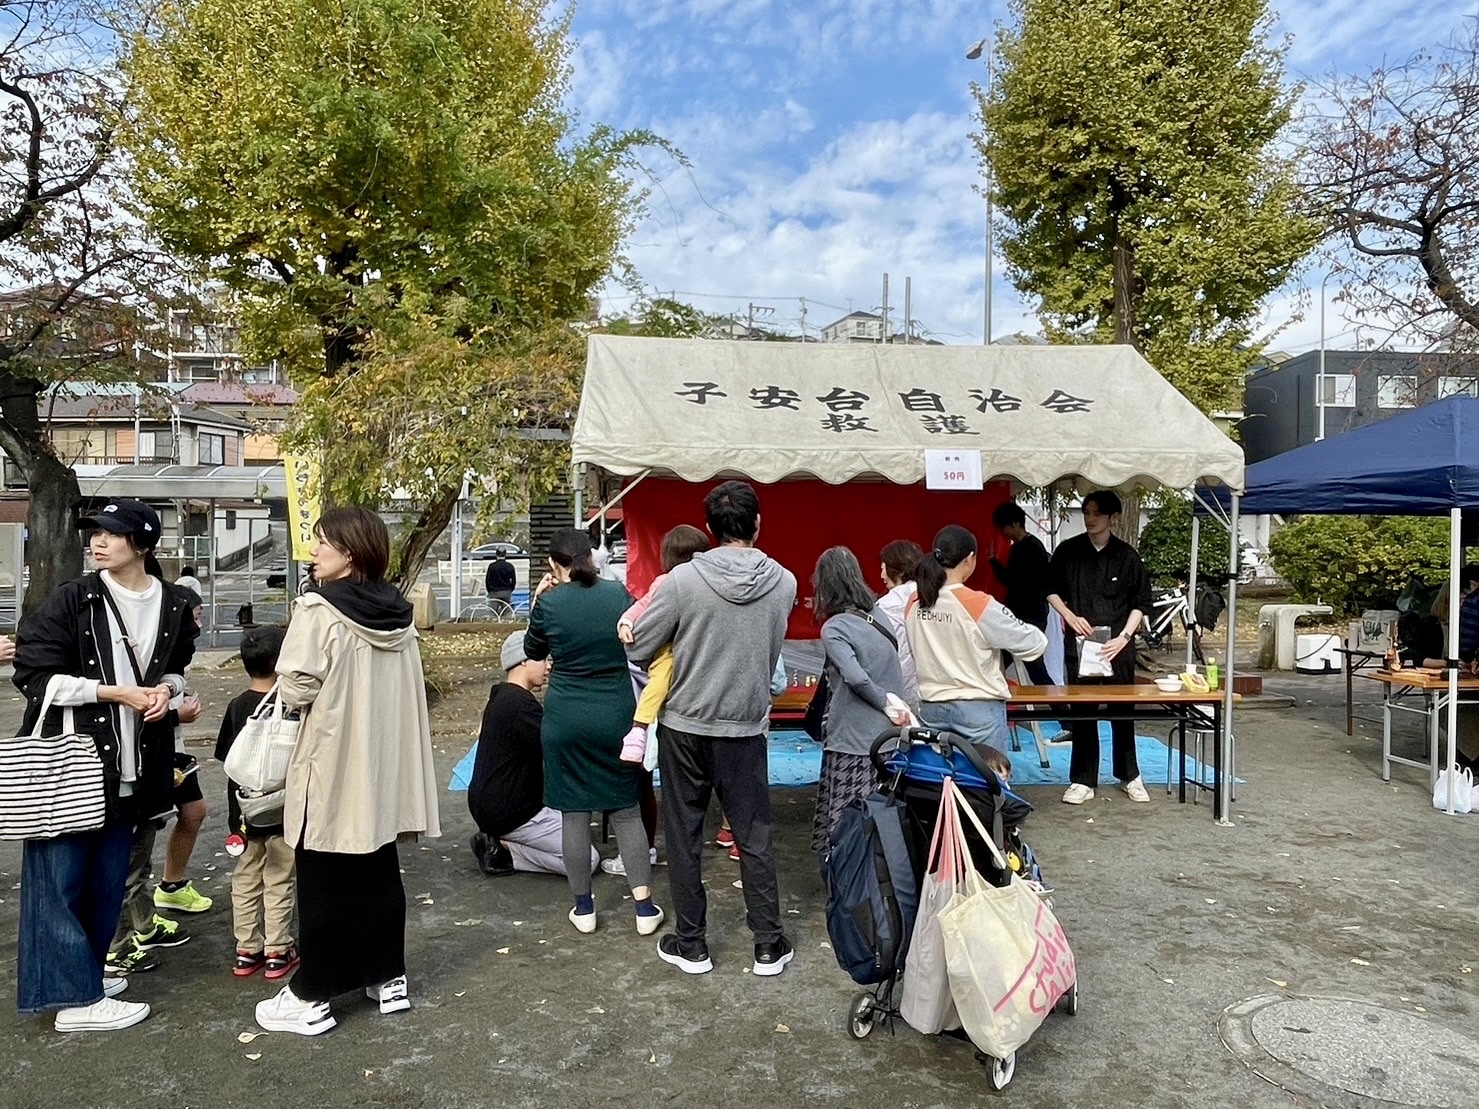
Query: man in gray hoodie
point(725, 615)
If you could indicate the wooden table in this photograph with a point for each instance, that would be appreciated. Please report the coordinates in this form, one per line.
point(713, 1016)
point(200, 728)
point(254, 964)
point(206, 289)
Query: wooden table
point(1432, 685)
point(1355, 659)
point(1141, 701)
point(789, 708)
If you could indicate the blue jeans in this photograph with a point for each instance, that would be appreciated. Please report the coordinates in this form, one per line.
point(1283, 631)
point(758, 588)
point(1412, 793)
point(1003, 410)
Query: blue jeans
point(71, 892)
point(976, 721)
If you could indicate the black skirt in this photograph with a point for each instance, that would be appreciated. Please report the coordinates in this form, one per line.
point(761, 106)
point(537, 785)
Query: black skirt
point(352, 922)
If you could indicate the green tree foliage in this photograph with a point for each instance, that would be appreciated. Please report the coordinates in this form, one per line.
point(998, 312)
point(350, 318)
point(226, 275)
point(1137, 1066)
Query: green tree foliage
point(665, 318)
point(409, 216)
point(1165, 544)
point(1133, 152)
point(1353, 563)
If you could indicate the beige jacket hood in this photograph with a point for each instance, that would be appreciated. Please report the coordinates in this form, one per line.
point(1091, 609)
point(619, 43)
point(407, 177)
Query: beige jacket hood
point(362, 773)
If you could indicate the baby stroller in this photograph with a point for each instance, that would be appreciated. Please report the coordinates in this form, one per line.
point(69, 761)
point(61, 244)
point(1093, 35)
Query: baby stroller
point(912, 766)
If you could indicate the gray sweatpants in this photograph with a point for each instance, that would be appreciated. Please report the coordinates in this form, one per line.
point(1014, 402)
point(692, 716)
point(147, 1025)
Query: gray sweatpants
point(537, 845)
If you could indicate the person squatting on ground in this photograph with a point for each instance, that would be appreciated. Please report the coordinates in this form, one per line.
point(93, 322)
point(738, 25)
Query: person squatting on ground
point(897, 563)
point(1098, 581)
point(1025, 574)
point(587, 710)
point(361, 775)
point(862, 669)
point(957, 636)
point(517, 831)
point(724, 614)
point(264, 884)
point(78, 647)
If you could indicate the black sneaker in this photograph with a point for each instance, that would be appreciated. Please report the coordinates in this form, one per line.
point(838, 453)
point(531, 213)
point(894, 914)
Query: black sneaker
point(129, 960)
point(165, 933)
point(494, 859)
point(670, 951)
point(771, 958)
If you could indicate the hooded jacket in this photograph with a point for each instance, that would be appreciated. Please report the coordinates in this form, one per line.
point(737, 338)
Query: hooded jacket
point(361, 774)
point(725, 614)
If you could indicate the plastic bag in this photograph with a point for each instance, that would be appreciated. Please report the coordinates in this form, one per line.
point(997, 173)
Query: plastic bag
point(1463, 790)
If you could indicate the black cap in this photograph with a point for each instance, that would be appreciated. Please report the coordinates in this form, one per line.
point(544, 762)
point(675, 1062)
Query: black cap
point(132, 518)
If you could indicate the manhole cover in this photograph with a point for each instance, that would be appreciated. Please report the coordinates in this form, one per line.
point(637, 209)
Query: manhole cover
point(1358, 1047)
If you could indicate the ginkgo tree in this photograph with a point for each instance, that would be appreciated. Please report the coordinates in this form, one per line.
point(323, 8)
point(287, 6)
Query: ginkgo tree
point(410, 216)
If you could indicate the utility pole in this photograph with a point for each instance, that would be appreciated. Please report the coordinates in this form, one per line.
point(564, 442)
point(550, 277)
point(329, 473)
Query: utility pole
point(908, 307)
point(764, 310)
point(883, 328)
point(803, 319)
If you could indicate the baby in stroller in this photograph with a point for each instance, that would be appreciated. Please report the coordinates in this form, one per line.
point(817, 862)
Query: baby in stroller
point(1014, 811)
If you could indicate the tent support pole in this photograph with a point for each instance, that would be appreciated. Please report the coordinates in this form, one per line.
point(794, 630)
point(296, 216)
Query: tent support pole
point(577, 481)
point(1455, 558)
point(1229, 768)
point(625, 489)
point(1191, 586)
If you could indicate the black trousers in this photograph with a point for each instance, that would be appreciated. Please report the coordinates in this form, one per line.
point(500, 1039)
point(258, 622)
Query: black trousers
point(1083, 763)
point(694, 767)
point(351, 922)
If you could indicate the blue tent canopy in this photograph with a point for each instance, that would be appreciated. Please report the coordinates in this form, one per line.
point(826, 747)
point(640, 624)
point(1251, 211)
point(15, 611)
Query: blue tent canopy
point(1424, 462)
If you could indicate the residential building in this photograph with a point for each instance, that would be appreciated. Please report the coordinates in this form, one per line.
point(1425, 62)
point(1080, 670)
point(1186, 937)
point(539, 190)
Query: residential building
point(855, 327)
point(1285, 404)
point(263, 407)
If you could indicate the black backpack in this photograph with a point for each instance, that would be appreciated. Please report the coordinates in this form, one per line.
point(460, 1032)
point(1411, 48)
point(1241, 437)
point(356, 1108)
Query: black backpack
point(872, 897)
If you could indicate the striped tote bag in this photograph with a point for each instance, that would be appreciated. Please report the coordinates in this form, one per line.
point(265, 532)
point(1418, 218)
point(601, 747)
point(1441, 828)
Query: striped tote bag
point(50, 785)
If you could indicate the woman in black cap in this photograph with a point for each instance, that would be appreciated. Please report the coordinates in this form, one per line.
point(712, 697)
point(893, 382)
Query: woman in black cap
point(102, 657)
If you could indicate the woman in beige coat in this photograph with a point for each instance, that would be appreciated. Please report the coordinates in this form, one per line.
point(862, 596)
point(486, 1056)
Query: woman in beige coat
point(361, 776)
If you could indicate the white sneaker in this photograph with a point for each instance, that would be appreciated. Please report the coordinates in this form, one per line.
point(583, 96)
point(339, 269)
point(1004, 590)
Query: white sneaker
point(112, 987)
point(106, 1015)
point(287, 1012)
point(1077, 794)
point(646, 925)
point(585, 923)
point(614, 866)
point(392, 996)
point(1135, 790)
point(652, 856)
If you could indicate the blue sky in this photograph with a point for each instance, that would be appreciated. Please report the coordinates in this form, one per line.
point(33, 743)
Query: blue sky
point(829, 142)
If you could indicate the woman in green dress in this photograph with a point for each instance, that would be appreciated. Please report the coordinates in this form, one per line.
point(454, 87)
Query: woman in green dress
point(587, 710)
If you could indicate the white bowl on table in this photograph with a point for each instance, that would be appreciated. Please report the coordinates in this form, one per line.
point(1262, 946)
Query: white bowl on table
point(1168, 685)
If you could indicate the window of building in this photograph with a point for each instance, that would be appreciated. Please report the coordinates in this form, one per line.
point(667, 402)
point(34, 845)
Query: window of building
point(1340, 391)
point(231, 519)
point(1396, 391)
point(1458, 386)
point(212, 449)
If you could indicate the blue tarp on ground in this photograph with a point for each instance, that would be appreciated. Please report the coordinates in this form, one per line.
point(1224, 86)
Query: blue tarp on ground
point(795, 760)
point(1422, 462)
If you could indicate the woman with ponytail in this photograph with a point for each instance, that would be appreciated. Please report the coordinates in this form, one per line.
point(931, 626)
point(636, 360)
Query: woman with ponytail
point(588, 708)
point(956, 636)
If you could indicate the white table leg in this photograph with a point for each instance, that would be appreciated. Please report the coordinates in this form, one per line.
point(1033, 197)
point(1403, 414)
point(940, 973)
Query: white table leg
point(1386, 731)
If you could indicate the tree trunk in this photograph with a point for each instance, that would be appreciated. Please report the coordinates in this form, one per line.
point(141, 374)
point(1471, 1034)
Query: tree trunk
point(53, 546)
point(410, 556)
point(1124, 284)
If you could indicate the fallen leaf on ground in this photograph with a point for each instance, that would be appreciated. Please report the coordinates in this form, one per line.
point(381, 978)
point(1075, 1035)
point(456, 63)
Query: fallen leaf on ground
point(1168, 981)
point(1271, 909)
point(460, 993)
point(248, 1037)
point(1419, 1008)
point(468, 922)
point(826, 945)
point(1466, 970)
point(1281, 984)
point(794, 912)
point(1210, 900)
point(518, 923)
point(1351, 928)
point(544, 941)
point(737, 884)
point(504, 950)
point(368, 1073)
point(595, 1009)
point(782, 1028)
point(254, 1056)
point(652, 1058)
point(1361, 962)
point(428, 901)
point(1089, 821)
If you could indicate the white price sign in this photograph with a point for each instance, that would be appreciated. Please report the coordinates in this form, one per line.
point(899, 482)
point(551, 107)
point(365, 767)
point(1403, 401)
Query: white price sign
point(952, 470)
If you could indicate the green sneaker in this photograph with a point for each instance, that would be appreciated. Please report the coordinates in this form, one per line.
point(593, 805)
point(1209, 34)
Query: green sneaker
point(165, 933)
point(129, 960)
point(186, 899)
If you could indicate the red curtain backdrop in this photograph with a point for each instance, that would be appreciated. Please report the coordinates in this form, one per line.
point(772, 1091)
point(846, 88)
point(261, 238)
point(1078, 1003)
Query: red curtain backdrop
point(801, 519)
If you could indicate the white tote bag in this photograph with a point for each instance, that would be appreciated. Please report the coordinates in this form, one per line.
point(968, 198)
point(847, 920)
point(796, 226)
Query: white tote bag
point(1463, 790)
point(258, 759)
point(927, 1003)
point(1008, 958)
point(50, 785)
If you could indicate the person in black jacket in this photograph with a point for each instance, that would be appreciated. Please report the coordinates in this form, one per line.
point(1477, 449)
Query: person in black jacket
point(516, 831)
point(501, 579)
point(1026, 577)
point(80, 650)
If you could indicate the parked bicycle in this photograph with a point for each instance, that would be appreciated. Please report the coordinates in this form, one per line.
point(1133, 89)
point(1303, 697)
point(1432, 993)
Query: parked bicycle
point(1173, 606)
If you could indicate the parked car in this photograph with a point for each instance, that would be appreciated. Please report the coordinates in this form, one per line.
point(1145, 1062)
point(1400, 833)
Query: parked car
point(489, 551)
point(619, 551)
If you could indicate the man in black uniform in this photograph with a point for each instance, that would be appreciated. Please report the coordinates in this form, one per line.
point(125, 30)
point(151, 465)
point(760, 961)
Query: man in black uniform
point(501, 578)
point(1098, 581)
point(1025, 575)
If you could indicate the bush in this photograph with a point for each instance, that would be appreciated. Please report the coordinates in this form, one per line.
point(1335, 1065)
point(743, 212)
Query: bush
point(1353, 563)
point(1165, 545)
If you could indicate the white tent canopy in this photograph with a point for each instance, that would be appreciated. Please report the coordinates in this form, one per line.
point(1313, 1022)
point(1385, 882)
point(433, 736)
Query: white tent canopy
point(770, 411)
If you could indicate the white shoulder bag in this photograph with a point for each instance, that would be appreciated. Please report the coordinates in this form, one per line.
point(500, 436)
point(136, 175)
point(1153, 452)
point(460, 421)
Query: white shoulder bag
point(50, 785)
point(258, 759)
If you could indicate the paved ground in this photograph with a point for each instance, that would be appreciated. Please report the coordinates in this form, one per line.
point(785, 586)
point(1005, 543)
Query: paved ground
point(1332, 883)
